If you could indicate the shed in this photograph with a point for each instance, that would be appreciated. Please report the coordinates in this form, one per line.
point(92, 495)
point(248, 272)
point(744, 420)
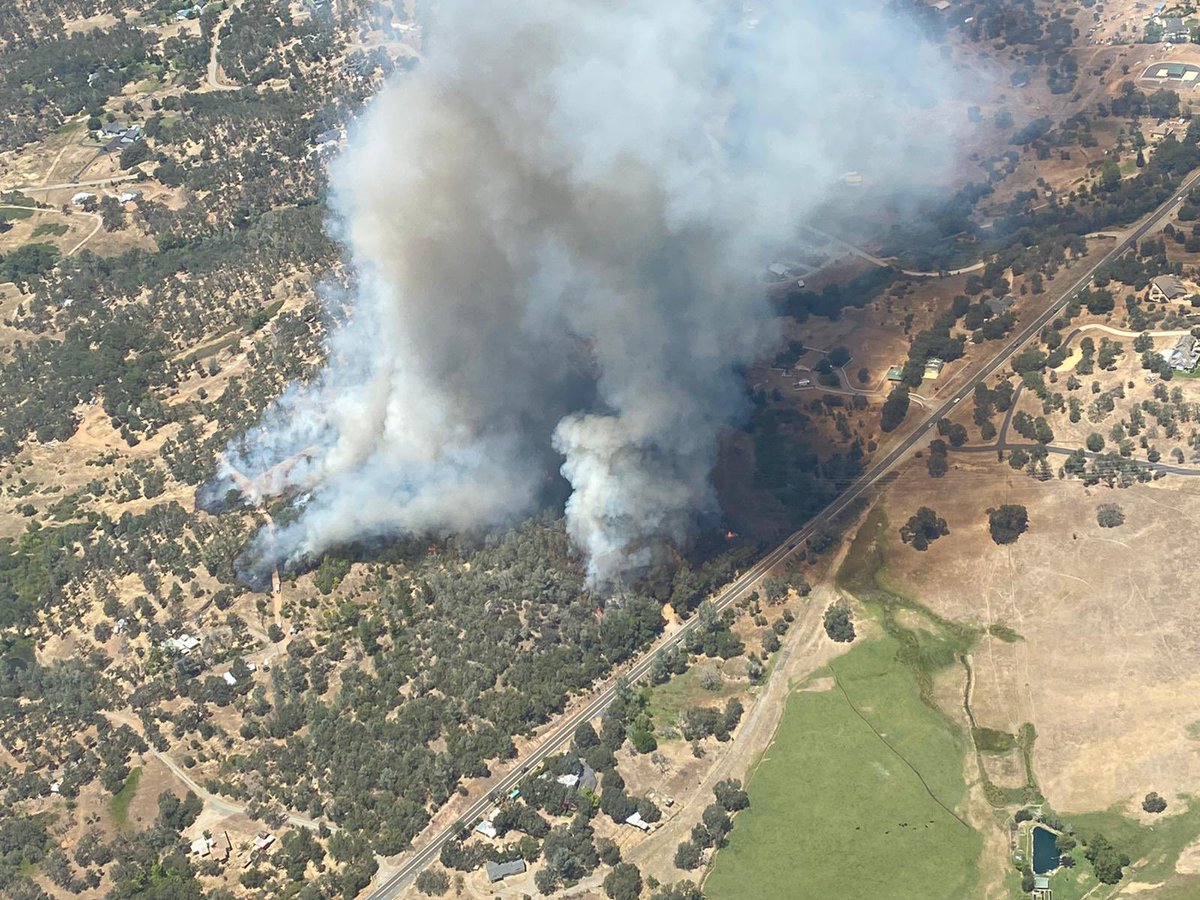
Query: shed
point(638, 822)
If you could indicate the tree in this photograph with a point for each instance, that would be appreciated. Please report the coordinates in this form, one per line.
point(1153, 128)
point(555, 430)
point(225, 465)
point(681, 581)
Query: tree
point(1095, 442)
point(1110, 515)
point(585, 737)
point(923, 528)
point(433, 882)
point(729, 794)
point(895, 408)
point(838, 622)
point(681, 890)
point(1027, 882)
point(1007, 523)
point(937, 462)
point(624, 882)
point(1154, 803)
point(687, 856)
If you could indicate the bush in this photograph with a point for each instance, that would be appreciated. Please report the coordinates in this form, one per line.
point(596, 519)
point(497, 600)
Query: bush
point(1007, 523)
point(1110, 515)
point(1154, 803)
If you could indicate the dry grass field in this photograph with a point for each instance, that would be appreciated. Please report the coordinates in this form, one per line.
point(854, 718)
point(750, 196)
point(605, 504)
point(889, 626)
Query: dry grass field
point(1107, 622)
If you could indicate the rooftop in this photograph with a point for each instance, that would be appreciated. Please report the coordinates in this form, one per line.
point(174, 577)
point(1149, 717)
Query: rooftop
point(498, 871)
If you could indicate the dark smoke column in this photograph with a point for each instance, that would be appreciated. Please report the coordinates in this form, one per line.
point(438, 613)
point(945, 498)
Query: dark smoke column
point(556, 223)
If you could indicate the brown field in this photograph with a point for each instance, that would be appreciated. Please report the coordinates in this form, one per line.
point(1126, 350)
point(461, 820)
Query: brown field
point(1106, 617)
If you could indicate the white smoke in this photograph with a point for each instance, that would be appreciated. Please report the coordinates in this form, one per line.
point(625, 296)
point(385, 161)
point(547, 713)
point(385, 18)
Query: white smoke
point(556, 224)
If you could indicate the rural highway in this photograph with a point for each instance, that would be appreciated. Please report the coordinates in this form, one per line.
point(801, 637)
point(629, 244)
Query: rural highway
point(400, 879)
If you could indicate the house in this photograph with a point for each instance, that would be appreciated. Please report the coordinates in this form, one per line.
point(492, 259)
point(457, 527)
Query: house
point(221, 847)
point(895, 374)
point(185, 643)
point(1000, 305)
point(1166, 287)
point(933, 367)
point(1184, 356)
point(1175, 31)
point(263, 840)
point(1041, 888)
point(201, 846)
point(112, 129)
point(487, 829)
point(1160, 133)
point(500, 871)
point(81, 198)
point(229, 679)
point(583, 777)
point(332, 136)
point(55, 787)
point(130, 197)
point(638, 822)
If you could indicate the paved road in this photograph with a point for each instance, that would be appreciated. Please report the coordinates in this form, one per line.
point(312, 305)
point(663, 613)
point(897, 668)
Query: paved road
point(115, 179)
point(392, 885)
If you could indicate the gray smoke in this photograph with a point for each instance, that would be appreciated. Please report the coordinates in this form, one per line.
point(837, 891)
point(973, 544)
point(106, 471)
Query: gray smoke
point(556, 224)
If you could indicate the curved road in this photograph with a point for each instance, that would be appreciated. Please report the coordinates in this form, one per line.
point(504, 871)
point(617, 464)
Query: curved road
point(401, 877)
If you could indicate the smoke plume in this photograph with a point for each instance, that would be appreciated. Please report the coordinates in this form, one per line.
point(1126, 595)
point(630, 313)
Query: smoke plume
point(556, 224)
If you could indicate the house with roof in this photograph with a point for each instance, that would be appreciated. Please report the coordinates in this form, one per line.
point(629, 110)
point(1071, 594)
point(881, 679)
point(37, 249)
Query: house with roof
point(1184, 356)
point(1041, 888)
point(499, 871)
point(82, 198)
point(1175, 31)
point(1166, 287)
point(1000, 305)
point(638, 822)
point(487, 829)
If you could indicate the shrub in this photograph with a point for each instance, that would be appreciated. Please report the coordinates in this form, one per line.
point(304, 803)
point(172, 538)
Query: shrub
point(838, 623)
point(1154, 803)
point(433, 882)
point(1110, 515)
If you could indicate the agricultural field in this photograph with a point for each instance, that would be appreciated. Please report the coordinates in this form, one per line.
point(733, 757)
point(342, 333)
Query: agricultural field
point(860, 795)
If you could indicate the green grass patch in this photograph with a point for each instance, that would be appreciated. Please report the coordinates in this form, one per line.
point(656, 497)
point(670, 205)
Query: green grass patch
point(57, 229)
point(926, 651)
point(212, 349)
point(12, 213)
point(991, 740)
point(1003, 633)
point(836, 809)
point(666, 703)
point(119, 804)
point(1154, 847)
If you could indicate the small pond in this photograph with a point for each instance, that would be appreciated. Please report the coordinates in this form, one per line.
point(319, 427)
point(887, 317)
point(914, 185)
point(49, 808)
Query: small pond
point(1045, 853)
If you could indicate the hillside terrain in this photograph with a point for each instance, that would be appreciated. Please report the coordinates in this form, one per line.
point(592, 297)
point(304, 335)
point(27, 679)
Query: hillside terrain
point(995, 638)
